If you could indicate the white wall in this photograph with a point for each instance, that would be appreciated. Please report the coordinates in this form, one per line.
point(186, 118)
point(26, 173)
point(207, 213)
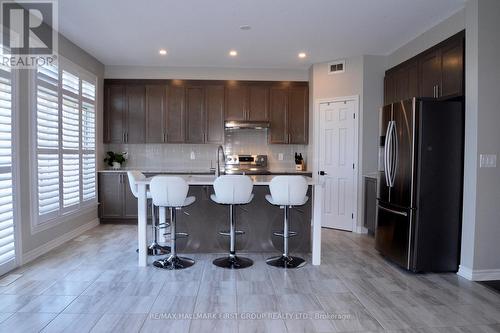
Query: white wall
point(364, 77)
point(431, 37)
point(481, 214)
point(32, 241)
point(205, 73)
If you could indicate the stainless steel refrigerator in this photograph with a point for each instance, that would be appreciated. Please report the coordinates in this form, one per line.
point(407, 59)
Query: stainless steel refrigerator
point(420, 181)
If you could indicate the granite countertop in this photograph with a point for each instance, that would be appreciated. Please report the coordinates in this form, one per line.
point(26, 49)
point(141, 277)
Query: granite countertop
point(209, 179)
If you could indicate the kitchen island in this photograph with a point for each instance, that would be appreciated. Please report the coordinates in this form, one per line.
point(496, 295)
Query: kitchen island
point(204, 219)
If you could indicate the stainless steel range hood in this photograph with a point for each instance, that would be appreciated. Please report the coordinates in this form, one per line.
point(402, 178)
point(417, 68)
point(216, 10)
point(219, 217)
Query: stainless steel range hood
point(232, 125)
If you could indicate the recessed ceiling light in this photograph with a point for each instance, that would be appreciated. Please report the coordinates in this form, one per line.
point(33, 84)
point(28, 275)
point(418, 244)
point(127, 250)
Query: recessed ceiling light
point(245, 27)
point(302, 55)
point(233, 53)
point(162, 52)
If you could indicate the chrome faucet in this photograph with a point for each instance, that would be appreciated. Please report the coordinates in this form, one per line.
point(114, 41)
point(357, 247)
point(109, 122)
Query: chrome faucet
point(219, 150)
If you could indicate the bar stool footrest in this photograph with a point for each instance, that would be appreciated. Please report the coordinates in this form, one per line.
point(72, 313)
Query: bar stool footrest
point(227, 233)
point(177, 234)
point(281, 234)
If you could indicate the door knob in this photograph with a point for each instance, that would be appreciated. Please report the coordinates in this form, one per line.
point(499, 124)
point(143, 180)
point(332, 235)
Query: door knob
point(322, 173)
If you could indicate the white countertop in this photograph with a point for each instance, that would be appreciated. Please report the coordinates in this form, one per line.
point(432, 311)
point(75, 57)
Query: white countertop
point(196, 171)
point(209, 179)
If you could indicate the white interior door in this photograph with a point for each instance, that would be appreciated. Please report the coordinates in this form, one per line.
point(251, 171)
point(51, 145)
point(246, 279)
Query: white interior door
point(337, 160)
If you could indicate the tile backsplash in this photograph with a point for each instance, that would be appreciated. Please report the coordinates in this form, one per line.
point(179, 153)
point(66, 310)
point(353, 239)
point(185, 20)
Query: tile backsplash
point(179, 156)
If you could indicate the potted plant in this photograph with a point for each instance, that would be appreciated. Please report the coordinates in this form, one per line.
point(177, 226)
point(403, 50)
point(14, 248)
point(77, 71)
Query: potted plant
point(115, 160)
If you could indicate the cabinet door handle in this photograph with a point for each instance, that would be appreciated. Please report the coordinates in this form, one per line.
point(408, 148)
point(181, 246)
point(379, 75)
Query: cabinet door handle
point(437, 90)
point(434, 91)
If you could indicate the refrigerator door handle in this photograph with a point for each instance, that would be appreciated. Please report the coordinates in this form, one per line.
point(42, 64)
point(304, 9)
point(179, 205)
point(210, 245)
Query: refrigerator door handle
point(386, 154)
point(390, 153)
point(393, 211)
point(395, 154)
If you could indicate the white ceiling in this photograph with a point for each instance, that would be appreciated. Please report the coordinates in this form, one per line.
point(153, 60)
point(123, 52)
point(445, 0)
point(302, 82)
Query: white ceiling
point(200, 33)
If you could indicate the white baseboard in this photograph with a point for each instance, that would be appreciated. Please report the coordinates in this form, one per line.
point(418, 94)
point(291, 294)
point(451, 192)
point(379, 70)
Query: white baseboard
point(479, 274)
point(41, 250)
point(360, 230)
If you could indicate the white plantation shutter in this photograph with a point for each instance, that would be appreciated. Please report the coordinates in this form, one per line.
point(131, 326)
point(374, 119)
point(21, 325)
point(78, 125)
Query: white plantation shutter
point(47, 136)
point(7, 244)
point(66, 126)
point(88, 143)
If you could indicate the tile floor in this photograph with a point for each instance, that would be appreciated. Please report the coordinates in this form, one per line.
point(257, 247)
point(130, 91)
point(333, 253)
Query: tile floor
point(93, 284)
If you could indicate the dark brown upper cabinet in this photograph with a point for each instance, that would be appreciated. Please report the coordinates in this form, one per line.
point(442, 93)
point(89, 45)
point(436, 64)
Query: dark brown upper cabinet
point(430, 74)
point(298, 115)
point(194, 111)
point(236, 102)
point(195, 117)
point(289, 115)
point(247, 102)
point(258, 103)
point(176, 129)
point(125, 116)
point(214, 115)
point(278, 132)
point(442, 70)
point(437, 73)
point(156, 114)
point(136, 110)
point(114, 130)
point(452, 69)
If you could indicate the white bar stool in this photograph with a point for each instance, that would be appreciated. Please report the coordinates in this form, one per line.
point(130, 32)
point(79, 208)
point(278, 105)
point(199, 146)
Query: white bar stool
point(171, 192)
point(286, 192)
point(155, 248)
point(232, 190)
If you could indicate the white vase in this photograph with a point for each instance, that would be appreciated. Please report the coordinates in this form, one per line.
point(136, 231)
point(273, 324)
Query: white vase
point(116, 166)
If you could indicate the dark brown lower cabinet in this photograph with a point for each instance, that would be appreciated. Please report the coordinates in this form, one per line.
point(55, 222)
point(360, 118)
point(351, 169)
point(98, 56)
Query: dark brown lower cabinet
point(110, 195)
point(116, 201)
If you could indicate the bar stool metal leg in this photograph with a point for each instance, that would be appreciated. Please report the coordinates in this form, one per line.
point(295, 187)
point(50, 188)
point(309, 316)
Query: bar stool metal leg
point(173, 261)
point(232, 261)
point(156, 249)
point(286, 260)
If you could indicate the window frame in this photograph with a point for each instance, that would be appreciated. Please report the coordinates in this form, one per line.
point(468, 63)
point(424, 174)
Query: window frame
point(15, 171)
point(62, 214)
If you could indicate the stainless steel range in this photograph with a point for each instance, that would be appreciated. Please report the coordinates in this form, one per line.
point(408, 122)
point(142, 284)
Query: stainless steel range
point(246, 164)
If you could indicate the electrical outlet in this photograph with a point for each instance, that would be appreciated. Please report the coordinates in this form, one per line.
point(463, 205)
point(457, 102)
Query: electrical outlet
point(193, 156)
point(280, 157)
point(488, 161)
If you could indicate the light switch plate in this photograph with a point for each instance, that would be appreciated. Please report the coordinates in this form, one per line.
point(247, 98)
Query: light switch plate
point(192, 156)
point(280, 157)
point(488, 161)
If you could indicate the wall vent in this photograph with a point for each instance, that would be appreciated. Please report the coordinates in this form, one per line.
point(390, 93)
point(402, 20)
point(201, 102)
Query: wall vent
point(336, 67)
